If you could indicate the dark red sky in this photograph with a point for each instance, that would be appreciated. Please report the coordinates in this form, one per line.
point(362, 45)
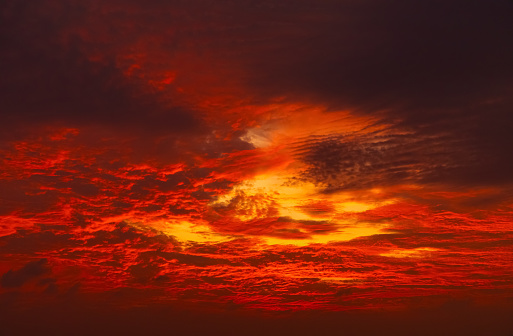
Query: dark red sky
point(256, 167)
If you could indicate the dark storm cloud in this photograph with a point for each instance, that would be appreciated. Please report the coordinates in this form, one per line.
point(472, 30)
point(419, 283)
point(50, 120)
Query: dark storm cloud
point(374, 54)
point(17, 278)
point(436, 69)
point(338, 163)
point(432, 66)
point(48, 76)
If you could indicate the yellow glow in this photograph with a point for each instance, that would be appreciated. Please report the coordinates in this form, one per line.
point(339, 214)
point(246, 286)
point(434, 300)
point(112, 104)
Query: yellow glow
point(279, 193)
point(355, 207)
point(275, 187)
point(358, 230)
point(411, 253)
point(338, 279)
point(291, 197)
point(187, 232)
point(291, 200)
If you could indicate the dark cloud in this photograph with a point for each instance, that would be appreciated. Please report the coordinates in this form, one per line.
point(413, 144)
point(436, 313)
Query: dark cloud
point(174, 181)
point(32, 270)
point(439, 71)
point(49, 77)
point(423, 59)
point(431, 69)
point(27, 241)
point(124, 233)
point(175, 210)
point(202, 195)
point(16, 195)
point(143, 272)
point(353, 162)
point(184, 258)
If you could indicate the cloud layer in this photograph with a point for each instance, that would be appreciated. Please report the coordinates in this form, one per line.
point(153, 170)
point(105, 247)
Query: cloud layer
point(257, 159)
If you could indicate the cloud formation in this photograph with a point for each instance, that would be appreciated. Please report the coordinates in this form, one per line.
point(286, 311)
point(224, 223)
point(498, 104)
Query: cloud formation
point(256, 159)
point(17, 278)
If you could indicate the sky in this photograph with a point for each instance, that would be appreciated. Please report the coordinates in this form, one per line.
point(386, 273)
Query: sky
point(270, 167)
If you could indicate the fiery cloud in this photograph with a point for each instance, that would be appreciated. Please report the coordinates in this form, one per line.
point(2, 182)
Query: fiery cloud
point(283, 162)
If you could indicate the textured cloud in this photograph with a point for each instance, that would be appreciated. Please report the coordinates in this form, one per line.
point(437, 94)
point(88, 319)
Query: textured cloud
point(353, 162)
point(51, 75)
point(232, 162)
point(441, 83)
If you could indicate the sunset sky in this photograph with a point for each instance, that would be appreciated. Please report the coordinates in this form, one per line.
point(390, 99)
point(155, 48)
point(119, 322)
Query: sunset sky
point(256, 167)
